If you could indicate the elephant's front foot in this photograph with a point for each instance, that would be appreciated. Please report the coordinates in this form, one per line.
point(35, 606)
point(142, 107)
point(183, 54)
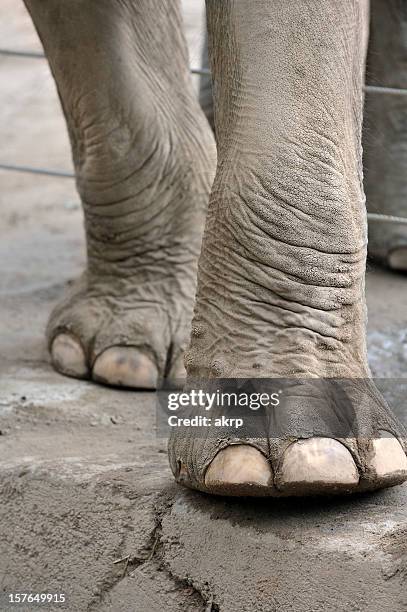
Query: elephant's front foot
point(388, 245)
point(122, 331)
point(311, 466)
point(280, 300)
point(126, 321)
point(397, 259)
point(144, 159)
point(305, 458)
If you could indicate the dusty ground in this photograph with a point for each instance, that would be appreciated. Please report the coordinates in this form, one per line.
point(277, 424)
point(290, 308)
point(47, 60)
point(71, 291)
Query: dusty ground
point(84, 480)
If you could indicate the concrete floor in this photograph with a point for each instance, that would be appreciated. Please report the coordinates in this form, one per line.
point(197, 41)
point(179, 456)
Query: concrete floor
point(84, 480)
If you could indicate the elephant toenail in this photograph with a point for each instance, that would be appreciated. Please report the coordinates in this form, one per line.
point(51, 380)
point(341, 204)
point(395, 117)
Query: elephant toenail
point(125, 366)
point(317, 465)
point(388, 459)
point(238, 469)
point(68, 356)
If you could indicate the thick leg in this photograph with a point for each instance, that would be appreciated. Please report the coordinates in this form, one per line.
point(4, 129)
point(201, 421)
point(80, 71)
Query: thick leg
point(385, 131)
point(144, 160)
point(281, 273)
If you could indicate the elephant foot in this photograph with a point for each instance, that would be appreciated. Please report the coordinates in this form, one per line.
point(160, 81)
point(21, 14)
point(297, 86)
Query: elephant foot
point(287, 468)
point(126, 321)
point(397, 259)
point(288, 305)
point(281, 273)
point(144, 159)
point(313, 466)
point(325, 437)
point(254, 320)
point(392, 257)
point(122, 332)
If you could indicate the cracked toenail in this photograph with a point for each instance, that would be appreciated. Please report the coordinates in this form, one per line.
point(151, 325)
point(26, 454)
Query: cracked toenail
point(126, 367)
point(68, 356)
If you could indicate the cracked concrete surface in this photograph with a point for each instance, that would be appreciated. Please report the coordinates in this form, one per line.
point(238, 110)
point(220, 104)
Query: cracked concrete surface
point(88, 506)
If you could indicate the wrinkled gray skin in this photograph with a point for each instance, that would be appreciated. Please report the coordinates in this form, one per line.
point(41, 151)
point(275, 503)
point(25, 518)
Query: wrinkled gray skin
point(280, 288)
point(144, 160)
point(384, 129)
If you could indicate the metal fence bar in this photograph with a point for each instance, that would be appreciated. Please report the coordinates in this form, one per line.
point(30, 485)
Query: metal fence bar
point(39, 55)
point(62, 174)
point(32, 170)
point(386, 218)
point(392, 91)
point(389, 91)
point(202, 72)
point(13, 52)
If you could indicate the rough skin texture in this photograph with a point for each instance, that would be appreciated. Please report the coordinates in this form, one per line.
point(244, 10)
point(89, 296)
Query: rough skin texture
point(144, 159)
point(281, 276)
point(281, 272)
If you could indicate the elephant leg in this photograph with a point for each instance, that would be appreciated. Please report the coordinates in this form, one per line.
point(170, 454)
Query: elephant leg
point(281, 272)
point(385, 132)
point(144, 159)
